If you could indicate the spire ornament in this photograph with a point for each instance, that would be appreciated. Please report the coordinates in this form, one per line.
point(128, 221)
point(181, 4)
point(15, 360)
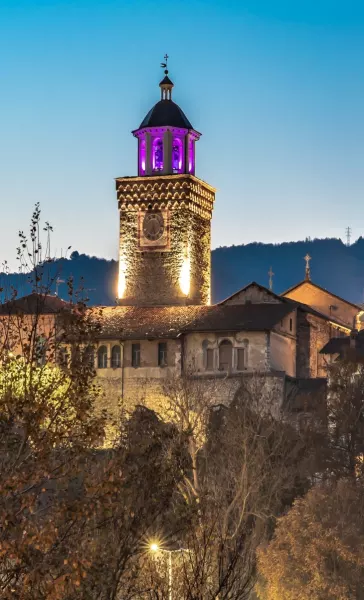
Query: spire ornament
point(270, 273)
point(308, 258)
point(166, 85)
point(164, 65)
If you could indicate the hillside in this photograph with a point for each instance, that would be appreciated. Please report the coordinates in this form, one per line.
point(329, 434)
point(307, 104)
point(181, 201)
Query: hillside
point(334, 266)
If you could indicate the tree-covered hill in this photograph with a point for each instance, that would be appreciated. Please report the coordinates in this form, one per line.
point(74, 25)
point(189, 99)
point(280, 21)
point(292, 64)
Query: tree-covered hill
point(334, 266)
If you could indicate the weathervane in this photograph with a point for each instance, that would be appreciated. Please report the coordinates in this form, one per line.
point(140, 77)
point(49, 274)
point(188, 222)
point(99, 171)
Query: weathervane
point(270, 273)
point(164, 65)
point(307, 258)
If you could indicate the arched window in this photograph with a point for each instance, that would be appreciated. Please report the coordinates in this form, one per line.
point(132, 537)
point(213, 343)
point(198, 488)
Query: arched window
point(102, 357)
point(157, 154)
point(208, 356)
point(225, 356)
point(116, 357)
point(142, 157)
point(177, 155)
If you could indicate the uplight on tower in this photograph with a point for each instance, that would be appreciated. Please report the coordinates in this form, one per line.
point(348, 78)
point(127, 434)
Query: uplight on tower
point(122, 277)
point(154, 547)
point(185, 274)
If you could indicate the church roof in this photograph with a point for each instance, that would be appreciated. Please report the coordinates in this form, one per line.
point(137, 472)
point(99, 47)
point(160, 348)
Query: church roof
point(323, 290)
point(249, 285)
point(240, 317)
point(142, 322)
point(33, 304)
point(145, 322)
point(295, 303)
point(164, 113)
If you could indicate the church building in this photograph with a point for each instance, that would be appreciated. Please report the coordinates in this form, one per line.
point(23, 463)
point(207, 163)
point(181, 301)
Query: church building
point(164, 325)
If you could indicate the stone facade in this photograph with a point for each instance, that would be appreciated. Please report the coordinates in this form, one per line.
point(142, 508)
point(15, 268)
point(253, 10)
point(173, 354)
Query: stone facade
point(253, 294)
point(178, 271)
point(338, 309)
point(128, 385)
point(312, 335)
point(254, 344)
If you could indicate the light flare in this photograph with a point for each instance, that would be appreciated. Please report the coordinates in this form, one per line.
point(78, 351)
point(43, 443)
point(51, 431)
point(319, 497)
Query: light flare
point(185, 274)
point(122, 277)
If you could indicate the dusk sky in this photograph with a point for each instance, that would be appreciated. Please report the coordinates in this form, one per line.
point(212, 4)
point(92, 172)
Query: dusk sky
point(275, 86)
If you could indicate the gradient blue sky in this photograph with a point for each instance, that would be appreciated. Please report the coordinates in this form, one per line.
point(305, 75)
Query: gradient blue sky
point(276, 87)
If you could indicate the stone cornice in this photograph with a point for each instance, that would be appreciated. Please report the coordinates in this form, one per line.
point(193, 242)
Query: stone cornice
point(166, 191)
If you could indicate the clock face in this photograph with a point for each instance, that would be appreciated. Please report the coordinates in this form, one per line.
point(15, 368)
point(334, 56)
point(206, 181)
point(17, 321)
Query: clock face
point(153, 226)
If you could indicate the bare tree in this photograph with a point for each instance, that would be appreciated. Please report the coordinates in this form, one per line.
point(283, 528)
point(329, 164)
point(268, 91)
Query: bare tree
point(75, 515)
point(246, 464)
point(345, 415)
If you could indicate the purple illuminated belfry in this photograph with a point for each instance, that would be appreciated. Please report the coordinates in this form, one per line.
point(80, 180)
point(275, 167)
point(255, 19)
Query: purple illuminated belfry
point(166, 138)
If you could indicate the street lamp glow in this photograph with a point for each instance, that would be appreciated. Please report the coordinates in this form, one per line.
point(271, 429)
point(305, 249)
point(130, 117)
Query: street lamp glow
point(154, 547)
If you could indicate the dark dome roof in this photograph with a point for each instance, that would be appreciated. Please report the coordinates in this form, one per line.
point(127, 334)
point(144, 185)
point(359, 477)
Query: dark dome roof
point(166, 81)
point(166, 112)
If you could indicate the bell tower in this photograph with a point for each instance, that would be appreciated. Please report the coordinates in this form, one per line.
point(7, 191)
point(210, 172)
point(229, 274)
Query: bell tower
point(165, 213)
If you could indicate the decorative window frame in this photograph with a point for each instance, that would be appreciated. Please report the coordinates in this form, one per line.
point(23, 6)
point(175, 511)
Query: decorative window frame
point(236, 343)
point(117, 348)
point(107, 356)
point(209, 345)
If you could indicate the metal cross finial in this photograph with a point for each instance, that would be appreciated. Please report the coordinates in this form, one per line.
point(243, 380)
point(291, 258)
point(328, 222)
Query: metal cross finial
point(164, 65)
point(270, 273)
point(307, 258)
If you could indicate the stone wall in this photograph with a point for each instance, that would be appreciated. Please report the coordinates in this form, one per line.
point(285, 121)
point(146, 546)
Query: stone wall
point(128, 386)
point(253, 342)
point(283, 353)
point(220, 388)
point(153, 274)
point(312, 335)
point(253, 294)
point(265, 389)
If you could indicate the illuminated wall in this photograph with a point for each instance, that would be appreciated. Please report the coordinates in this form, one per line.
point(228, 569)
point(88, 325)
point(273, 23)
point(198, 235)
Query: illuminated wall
point(180, 272)
point(166, 150)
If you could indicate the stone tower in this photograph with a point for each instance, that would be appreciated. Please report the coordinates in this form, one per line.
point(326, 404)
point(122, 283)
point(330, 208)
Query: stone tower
point(165, 214)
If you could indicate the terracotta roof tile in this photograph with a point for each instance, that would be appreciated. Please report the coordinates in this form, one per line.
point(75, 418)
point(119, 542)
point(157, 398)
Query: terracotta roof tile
point(33, 304)
point(138, 322)
point(132, 322)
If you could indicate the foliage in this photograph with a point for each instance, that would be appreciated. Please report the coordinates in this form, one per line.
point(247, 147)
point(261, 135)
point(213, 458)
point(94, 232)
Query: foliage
point(317, 549)
point(207, 481)
point(74, 514)
point(317, 552)
point(47, 396)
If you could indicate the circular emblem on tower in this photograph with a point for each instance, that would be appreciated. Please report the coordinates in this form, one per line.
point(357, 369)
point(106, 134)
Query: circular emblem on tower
point(153, 226)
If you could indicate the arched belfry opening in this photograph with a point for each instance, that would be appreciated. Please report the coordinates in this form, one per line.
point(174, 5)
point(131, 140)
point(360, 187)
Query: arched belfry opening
point(166, 137)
